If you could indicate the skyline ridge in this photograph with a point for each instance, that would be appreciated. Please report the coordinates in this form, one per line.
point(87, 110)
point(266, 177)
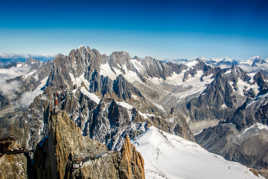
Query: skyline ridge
point(5, 55)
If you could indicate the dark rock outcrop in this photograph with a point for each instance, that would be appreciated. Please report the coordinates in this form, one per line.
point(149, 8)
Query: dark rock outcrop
point(250, 149)
point(209, 104)
point(3, 101)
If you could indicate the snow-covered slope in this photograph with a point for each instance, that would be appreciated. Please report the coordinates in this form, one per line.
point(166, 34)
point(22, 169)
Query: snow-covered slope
point(171, 157)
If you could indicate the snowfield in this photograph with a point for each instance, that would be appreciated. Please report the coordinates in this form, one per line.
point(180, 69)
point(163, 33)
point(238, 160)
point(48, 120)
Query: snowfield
point(167, 156)
point(91, 96)
point(129, 75)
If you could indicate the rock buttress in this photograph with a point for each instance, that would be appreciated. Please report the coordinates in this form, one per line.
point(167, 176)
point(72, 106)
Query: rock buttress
point(132, 163)
point(65, 153)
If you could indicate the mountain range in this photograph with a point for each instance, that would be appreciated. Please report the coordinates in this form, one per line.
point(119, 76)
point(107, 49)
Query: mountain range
point(89, 115)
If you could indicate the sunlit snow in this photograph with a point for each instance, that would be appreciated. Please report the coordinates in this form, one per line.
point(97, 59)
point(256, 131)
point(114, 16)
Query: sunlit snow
point(169, 156)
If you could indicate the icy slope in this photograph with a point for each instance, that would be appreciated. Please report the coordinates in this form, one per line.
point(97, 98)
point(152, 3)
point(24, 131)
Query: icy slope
point(172, 157)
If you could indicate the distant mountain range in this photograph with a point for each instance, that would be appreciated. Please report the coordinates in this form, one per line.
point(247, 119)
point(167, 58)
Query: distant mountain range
point(9, 59)
point(253, 61)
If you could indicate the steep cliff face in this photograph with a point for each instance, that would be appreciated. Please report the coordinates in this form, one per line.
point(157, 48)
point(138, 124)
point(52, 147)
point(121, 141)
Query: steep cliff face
point(208, 105)
point(129, 157)
point(65, 153)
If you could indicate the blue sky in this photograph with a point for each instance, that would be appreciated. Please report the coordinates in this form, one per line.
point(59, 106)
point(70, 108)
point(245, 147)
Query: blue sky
point(162, 29)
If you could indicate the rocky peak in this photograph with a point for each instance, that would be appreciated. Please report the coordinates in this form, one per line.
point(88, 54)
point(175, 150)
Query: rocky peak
point(257, 60)
point(155, 68)
point(260, 80)
point(237, 72)
point(219, 91)
point(199, 65)
point(65, 153)
point(217, 94)
point(123, 89)
point(119, 60)
point(120, 55)
point(129, 154)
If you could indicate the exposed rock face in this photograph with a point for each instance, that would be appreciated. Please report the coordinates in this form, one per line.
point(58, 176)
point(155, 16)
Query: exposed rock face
point(3, 101)
point(248, 147)
point(238, 137)
point(130, 155)
point(260, 80)
point(208, 105)
point(222, 96)
point(123, 89)
point(241, 138)
point(65, 153)
point(251, 112)
point(13, 161)
point(13, 166)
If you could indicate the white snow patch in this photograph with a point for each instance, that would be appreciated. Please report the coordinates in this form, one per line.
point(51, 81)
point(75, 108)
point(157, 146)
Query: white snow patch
point(29, 74)
point(146, 115)
point(223, 106)
point(191, 63)
point(79, 80)
point(125, 105)
point(19, 65)
point(91, 96)
point(260, 97)
point(256, 126)
point(251, 76)
point(198, 132)
point(171, 119)
point(241, 85)
point(159, 107)
point(36, 77)
point(129, 107)
point(106, 70)
point(134, 97)
point(169, 156)
point(228, 72)
point(129, 75)
point(137, 64)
